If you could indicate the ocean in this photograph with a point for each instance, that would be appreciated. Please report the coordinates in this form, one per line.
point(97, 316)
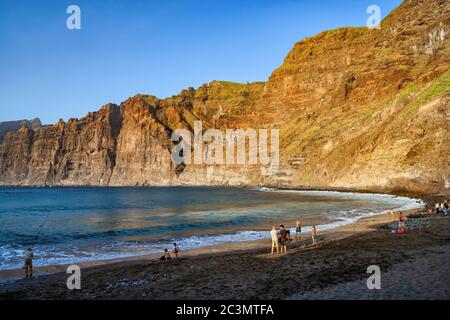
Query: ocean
point(73, 225)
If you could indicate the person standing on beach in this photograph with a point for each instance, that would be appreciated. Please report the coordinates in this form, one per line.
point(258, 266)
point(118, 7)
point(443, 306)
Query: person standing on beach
point(274, 237)
point(437, 207)
point(288, 236)
point(283, 238)
point(175, 250)
point(401, 224)
point(298, 229)
point(28, 265)
point(401, 221)
point(314, 235)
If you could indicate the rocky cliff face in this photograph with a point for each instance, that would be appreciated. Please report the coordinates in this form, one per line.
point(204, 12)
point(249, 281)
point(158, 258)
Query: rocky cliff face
point(356, 108)
point(8, 126)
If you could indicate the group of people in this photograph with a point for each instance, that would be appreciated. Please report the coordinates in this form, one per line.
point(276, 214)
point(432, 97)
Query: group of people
point(441, 208)
point(175, 250)
point(282, 237)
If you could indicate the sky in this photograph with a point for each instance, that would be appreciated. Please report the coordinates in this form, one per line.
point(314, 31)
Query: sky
point(158, 47)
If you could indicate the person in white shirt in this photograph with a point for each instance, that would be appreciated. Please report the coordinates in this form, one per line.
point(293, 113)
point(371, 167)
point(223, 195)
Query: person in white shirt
point(275, 241)
point(314, 235)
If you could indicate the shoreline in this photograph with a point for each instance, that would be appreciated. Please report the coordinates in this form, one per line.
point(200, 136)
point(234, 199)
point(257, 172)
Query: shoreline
point(371, 190)
point(414, 265)
point(363, 224)
point(15, 274)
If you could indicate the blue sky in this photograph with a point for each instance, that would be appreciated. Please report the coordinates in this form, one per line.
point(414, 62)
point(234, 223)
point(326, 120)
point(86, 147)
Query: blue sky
point(156, 47)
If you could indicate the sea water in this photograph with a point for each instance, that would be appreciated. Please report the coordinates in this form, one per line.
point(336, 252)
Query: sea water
point(72, 225)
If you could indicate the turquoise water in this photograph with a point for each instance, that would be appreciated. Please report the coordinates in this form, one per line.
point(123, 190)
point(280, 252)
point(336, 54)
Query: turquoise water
point(70, 225)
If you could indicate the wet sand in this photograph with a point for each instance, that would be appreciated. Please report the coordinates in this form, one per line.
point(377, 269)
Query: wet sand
point(336, 268)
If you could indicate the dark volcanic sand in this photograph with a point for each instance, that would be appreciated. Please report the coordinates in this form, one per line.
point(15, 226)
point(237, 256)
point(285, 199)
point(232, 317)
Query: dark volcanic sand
point(415, 265)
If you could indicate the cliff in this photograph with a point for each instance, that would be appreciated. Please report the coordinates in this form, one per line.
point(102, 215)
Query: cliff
point(356, 108)
point(8, 126)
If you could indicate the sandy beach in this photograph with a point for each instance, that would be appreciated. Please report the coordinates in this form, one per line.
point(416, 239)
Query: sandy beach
point(414, 265)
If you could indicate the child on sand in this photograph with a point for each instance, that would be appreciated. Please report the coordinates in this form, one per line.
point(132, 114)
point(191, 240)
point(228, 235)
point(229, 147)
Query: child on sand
point(175, 250)
point(314, 235)
point(274, 237)
point(166, 255)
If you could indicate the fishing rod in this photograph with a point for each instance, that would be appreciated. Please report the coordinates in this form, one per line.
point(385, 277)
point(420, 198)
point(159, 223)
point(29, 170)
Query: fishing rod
point(25, 266)
point(43, 224)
